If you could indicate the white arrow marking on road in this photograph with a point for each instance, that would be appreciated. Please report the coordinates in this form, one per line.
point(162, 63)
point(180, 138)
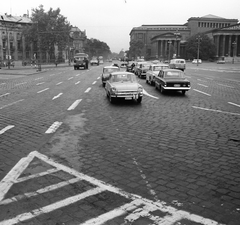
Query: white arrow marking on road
point(57, 96)
point(88, 90)
point(4, 95)
point(145, 93)
point(6, 128)
point(53, 127)
point(75, 104)
point(43, 90)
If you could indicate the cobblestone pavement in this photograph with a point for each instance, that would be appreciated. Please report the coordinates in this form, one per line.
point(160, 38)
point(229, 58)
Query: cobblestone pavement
point(171, 160)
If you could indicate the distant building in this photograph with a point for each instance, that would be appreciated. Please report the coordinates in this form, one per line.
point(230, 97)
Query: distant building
point(164, 41)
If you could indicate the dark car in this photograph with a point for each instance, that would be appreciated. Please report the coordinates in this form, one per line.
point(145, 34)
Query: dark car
point(172, 80)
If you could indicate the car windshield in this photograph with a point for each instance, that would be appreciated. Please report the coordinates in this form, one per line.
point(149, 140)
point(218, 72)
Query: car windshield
point(79, 58)
point(110, 70)
point(158, 68)
point(180, 61)
point(123, 78)
point(173, 74)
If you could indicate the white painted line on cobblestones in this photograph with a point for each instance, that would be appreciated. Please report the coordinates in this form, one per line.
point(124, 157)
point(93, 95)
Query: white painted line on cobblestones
point(88, 90)
point(70, 78)
point(43, 90)
point(59, 83)
point(4, 95)
point(75, 104)
point(39, 78)
point(20, 83)
point(98, 78)
point(6, 128)
point(51, 207)
point(202, 92)
point(94, 82)
point(57, 96)
point(11, 104)
point(53, 127)
point(234, 104)
point(78, 82)
point(216, 110)
point(39, 191)
point(145, 93)
point(201, 80)
point(203, 85)
point(226, 85)
point(77, 75)
point(40, 83)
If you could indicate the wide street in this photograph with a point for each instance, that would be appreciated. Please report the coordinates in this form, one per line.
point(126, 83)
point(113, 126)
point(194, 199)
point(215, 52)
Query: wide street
point(68, 156)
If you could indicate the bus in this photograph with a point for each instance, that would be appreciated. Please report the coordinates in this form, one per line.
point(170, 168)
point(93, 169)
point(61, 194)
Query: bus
point(80, 61)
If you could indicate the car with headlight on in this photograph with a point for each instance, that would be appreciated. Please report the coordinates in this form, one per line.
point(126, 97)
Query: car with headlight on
point(172, 80)
point(107, 70)
point(123, 85)
point(154, 71)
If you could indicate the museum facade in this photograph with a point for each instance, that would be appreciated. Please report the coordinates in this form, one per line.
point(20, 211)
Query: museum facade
point(165, 41)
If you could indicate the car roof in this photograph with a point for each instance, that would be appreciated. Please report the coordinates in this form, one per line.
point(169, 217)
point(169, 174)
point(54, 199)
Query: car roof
point(121, 72)
point(160, 64)
point(110, 67)
point(172, 70)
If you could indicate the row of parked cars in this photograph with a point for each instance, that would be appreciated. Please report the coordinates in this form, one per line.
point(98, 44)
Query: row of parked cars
point(165, 77)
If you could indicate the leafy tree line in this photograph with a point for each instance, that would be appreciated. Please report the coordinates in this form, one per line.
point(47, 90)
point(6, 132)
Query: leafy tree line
point(49, 29)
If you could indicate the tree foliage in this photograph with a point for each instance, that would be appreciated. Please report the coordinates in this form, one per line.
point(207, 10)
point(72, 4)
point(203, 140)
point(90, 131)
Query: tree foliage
point(136, 48)
point(47, 30)
point(207, 49)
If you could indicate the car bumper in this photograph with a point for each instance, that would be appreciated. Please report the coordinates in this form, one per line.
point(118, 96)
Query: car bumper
point(126, 95)
point(177, 88)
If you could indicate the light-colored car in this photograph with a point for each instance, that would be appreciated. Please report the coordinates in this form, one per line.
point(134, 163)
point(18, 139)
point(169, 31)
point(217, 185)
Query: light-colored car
point(137, 66)
point(172, 80)
point(123, 85)
point(221, 61)
point(94, 61)
point(153, 72)
point(179, 64)
point(143, 68)
point(107, 70)
point(195, 61)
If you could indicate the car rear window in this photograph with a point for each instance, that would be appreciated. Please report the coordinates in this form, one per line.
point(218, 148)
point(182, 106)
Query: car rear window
point(173, 74)
point(180, 61)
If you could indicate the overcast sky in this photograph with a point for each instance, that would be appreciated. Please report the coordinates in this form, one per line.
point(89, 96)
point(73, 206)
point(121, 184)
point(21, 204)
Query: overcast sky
point(111, 21)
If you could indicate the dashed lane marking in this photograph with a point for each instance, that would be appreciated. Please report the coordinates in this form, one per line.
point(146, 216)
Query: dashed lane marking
point(88, 90)
point(70, 78)
point(216, 110)
point(94, 82)
point(6, 128)
point(234, 104)
point(137, 207)
point(59, 83)
point(4, 95)
point(20, 83)
point(78, 82)
point(42, 90)
point(202, 92)
point(226, 85)
point(57, 96)
point(39, 78)
point(75, 104)
point(203, 85)
point(53, 127)
point(40, 83)
point(11, 104)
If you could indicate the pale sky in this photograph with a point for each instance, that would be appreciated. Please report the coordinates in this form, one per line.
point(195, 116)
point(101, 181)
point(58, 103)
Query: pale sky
point(111, 21)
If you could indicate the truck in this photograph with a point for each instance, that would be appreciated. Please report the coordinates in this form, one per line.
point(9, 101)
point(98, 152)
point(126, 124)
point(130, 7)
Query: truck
point(80, 60)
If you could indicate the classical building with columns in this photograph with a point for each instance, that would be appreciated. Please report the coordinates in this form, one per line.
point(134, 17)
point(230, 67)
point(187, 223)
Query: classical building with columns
point(167, 41)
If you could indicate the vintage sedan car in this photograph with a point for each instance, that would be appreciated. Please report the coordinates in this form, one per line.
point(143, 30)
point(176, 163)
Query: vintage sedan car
point(221, 61)
point(143, 68)
point(123, 85)
point(107, 70)
point(172, 80)
point(154, 71)
point(197, 61)
point(137, 66)
point(179, 64)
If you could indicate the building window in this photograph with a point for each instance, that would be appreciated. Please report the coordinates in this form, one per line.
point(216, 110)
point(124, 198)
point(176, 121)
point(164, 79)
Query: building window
point(198, 24)
point(140, 36)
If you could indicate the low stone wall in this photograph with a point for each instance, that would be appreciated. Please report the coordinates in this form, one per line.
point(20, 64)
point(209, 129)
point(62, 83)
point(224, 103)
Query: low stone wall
point(230, 59)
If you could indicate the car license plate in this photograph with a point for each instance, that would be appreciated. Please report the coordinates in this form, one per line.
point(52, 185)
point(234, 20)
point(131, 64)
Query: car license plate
point(177, 85)
point(128, 98)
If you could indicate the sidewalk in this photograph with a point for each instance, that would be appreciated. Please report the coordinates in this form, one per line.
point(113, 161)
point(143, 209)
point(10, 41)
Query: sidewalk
point(29, 70)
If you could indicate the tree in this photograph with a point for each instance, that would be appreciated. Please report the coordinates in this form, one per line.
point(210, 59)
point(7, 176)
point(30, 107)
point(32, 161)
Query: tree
point(136, 48)
point(207, 49)
point(48, 29)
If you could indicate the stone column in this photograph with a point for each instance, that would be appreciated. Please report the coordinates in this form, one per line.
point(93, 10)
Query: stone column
point(161, 53)
point(217, 44)
point(229, 45)
point(166, 51)
point(178, 51)
point(236, 47)
point(223, 46)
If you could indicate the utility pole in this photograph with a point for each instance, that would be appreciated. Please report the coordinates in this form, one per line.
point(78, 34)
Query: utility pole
point(198, 48)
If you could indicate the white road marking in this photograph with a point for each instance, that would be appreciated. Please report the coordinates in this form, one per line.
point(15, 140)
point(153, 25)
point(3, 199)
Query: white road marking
point(77, 75)
point(2, 83)
point(75, 104)
point(201, 80)
point(94, 82)
point(52, 74)
point(53, 127)
point(234, 104)
point(145, 93)
point(202, 92)
point(59, 83)
point(88, 90)
point(4, 95)
point(98, 78)
point(208, 78)
point(39, 78)
point(216, 110)
point(40, 83)
point(20, 83)
point(11, 104)
point(136, 208)
point(6, 128)
point(78, 82)
point(225, 85)
point(43, 90)
point(57, 96)
point(70, 78)
point(203, 85)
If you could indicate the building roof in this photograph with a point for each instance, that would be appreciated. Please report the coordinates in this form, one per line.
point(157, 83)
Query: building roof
point(15, 19)
point(212, 16)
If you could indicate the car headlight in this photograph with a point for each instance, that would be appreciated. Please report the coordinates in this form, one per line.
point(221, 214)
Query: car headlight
point(113, 90)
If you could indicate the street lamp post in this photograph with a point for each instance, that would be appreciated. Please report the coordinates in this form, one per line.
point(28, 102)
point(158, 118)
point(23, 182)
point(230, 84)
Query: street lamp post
point(169, 42)
point(198, 47)
point(177, 34)
point(8, 51)
point(234, 47)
